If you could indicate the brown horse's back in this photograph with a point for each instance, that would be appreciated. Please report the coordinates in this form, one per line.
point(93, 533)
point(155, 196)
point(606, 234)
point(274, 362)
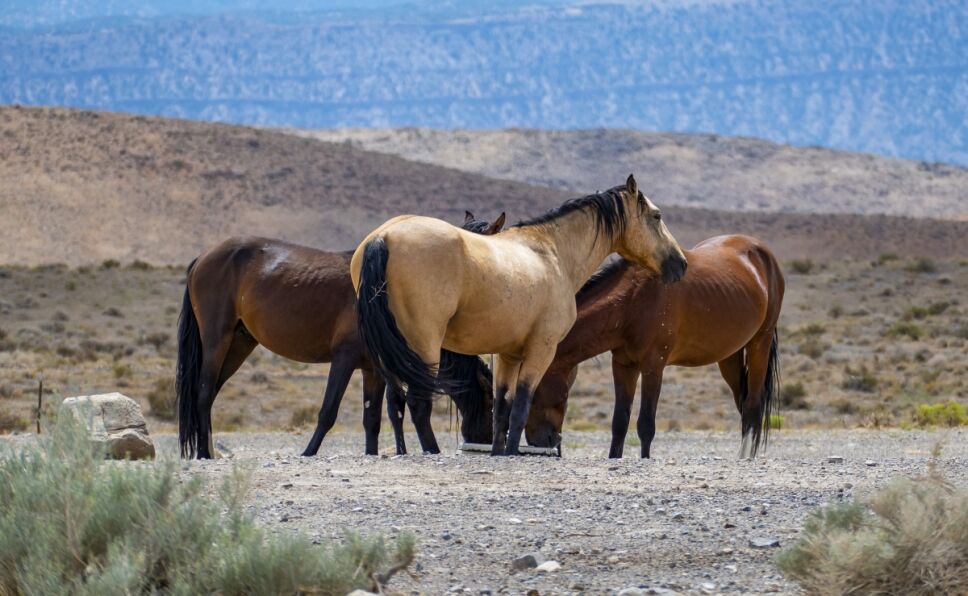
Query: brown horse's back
point(294, 300)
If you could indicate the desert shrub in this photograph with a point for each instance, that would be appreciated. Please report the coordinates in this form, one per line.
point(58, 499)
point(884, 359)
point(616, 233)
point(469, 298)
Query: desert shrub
point(905, 329)
point(844, 406)
point(909, 538)
point(10, 422)
point(813, 329)
point(923, 312)
point(922, 265)
point(836, 311)
point(158, 340)
point(122, 370)
point(112, 311)
point(110, 264)
point(72, 523)
point(886, 257)
point(812, 346)
point(949, 413)
point(6, 390)
point(776, 421)
point(303, 416)
point(861, 379)
point(140, 265)
point(259, 378)
point(801, 266)
point(794, 395)
point(71, 285)
point(161, 398)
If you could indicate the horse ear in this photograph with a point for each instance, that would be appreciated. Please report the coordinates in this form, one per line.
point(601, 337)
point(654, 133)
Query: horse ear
point(632, 186)
point(495, 227)
point(468, 217)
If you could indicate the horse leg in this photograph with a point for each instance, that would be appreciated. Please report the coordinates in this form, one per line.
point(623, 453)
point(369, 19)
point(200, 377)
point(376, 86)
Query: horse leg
point(214, 356)
point(506, 373)
point(533, 367)
point(396, 404)
point(732, 371)
point(340, 371)
point(651, 387)
point(421, 407)
point(240, 348)
point(757, 405)
point(373, 388)
point(625, 377)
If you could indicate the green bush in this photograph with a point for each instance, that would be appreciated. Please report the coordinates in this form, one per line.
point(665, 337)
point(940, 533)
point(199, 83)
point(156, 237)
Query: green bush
point(776, 422)
point(161, 398)
point(73, 523)
point(909, 538)
point(949, 413)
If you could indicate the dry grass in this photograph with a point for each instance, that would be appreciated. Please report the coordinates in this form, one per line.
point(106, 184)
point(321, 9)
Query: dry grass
point(908, 538)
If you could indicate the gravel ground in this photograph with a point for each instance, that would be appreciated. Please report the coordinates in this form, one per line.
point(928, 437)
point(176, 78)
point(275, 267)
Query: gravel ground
point(684, 521)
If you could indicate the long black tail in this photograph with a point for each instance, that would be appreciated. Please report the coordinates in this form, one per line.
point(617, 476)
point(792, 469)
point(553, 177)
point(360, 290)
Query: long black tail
point(757, 420)
point(387, 347)
point(187, 374)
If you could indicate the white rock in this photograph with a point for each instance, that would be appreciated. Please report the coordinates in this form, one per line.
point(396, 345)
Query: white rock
point(549, 566)
point(115, 421)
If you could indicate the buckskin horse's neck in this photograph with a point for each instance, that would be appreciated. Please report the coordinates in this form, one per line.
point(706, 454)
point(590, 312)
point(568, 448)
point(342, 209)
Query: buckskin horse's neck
point(578, 244)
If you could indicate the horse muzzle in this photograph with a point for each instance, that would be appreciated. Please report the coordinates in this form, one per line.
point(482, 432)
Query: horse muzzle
point(673, 268)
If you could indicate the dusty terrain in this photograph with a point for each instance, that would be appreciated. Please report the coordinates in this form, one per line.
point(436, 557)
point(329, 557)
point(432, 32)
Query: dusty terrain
point(78, 187)
point(710, 171)
point(683, 521)
point(862, 343)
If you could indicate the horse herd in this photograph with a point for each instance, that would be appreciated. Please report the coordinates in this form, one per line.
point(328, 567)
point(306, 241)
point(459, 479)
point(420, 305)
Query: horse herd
point(416, 303)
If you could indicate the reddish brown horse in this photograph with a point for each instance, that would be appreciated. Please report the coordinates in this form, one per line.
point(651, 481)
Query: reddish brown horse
point(724, 311)
point(299, 303)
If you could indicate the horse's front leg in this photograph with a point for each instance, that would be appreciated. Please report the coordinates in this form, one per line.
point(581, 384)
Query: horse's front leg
point(626, 377)
point(505, 376)
point(533, 367)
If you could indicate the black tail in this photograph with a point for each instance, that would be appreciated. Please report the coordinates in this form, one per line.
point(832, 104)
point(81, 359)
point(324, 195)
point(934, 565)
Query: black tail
point(187, 374)
point(386, 346)
point(757, 421)
point(471, 387)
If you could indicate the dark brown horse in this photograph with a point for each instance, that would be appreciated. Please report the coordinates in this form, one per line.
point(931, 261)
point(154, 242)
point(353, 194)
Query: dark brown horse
point(299, 303)
point(724, 311)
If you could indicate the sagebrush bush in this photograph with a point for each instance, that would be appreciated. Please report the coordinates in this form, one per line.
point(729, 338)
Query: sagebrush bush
point(861, 379)
point(801, 266)
point(794, 395)
point(73, 523)
point(909, 538)
point(161, 398)
point(949, 413)
point(922, 265)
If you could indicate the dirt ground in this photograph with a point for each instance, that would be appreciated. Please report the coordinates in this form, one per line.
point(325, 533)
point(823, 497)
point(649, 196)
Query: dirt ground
point(684, 521)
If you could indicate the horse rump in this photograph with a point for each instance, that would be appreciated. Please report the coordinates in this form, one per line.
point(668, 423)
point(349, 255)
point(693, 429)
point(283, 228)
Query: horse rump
point(384, 343)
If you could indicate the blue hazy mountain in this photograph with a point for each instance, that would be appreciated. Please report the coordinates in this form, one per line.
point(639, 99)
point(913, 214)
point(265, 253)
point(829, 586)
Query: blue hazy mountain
point(885, 76)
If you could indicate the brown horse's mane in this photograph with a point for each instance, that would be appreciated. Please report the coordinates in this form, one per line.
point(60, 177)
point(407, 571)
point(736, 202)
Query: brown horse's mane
point(607, 206)
point(604, 274)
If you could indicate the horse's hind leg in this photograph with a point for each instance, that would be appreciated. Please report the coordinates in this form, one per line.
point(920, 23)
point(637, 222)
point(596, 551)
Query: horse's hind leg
point(756, 406)
point(533, 367)
point(625, 377)
point(214, 354)
point(240, 348)
point(396, 404)
point(732, 369)
point(421, 407)
point(373, 388)
point(340, 370)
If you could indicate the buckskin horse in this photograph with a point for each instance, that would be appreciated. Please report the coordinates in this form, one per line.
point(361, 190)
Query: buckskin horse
point(725, 311)
point(298, 302)
point(424, 285)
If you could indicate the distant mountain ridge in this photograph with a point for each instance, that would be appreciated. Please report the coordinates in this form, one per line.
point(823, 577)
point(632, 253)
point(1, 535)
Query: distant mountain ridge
point(79, 187)
point(709, 171)
point(881, 76)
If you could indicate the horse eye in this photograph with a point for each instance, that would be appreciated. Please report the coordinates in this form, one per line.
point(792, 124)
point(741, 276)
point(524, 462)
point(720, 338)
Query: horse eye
point(657, 216)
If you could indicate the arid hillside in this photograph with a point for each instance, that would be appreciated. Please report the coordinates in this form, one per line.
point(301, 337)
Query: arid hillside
point(80, 187)
point(696, 170)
